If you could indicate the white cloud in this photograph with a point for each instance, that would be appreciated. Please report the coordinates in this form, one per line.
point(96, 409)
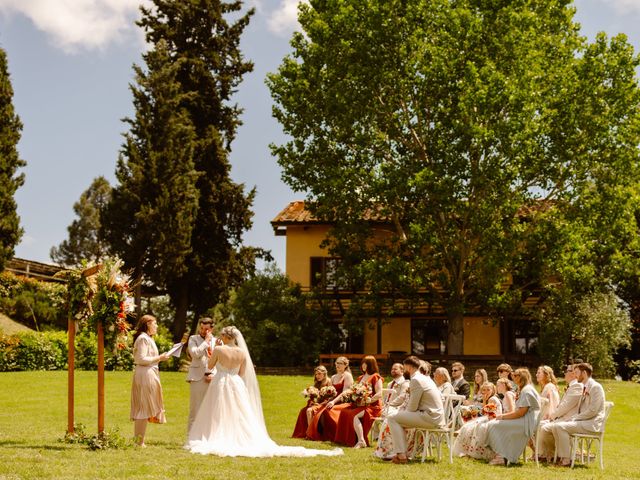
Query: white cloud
point(284, 19)
point(75, 25)
point(625, 6)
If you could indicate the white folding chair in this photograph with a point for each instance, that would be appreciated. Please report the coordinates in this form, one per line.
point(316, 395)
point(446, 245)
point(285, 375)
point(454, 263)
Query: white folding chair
point(437, 434)
point(581, 440)
point(544, 407)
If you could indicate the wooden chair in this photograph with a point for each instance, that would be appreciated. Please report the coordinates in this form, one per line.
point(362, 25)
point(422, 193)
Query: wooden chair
point(438, 434)
point(581, 440)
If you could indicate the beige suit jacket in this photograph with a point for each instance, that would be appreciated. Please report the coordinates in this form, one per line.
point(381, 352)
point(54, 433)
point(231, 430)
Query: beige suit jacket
point(568, 405)
point(591, 408)
point(397, 397)
point(424, 397)
point(198, 350)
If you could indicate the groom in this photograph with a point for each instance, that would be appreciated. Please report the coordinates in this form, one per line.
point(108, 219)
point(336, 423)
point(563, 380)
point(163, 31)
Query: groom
point(199, 349)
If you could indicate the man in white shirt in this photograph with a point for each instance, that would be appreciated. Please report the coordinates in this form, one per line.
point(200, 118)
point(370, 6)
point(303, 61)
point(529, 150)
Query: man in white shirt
point(566, 409)
point(588, 419)
point(424, 409)
point(199, 349)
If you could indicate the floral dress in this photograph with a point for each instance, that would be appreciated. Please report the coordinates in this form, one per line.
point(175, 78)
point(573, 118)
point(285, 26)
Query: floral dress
point(472, 437)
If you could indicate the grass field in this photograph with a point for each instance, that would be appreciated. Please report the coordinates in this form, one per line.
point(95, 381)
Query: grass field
point(33, 420)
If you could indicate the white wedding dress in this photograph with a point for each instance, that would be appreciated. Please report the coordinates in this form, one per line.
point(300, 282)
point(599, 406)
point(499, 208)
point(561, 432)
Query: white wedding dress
point(230, 423)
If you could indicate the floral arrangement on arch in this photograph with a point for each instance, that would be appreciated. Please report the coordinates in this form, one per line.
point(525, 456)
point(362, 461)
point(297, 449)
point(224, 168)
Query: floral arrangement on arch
point(112, 303)
point(101, 293)
point(359, 393)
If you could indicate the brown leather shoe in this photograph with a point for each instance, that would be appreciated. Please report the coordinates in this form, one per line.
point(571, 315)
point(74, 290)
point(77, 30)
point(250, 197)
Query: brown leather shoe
point(398, 460)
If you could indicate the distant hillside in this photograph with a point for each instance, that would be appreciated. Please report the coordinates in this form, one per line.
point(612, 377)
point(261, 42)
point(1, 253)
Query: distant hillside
point(9, 327)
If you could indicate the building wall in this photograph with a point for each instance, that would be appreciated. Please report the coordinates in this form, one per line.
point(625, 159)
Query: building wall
point(481, 337)
point(303, 242)
point(396, 336)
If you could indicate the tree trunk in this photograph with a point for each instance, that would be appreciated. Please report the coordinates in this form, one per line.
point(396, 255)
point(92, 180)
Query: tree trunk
point(182, 305)
point(455, 338)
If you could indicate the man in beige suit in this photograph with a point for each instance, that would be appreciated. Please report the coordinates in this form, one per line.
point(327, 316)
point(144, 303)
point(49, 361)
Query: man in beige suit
point(566, 409)
point(590, 416)
point(424, 409)
point(199, 349)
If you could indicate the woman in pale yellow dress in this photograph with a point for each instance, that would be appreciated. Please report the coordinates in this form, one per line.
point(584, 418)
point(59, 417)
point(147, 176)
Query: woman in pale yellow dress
point(146, 391)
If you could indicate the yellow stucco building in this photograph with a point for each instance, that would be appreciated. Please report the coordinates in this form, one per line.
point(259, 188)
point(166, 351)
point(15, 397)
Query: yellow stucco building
point(423, 331)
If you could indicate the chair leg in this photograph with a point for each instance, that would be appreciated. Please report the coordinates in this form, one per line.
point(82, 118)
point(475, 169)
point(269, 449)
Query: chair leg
point(574, 447)
point(425, 444)
point(601, 457)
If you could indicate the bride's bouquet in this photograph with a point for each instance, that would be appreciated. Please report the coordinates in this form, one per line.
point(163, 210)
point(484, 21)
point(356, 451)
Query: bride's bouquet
point(311, 393)
point(328, 392)
point(359, 393)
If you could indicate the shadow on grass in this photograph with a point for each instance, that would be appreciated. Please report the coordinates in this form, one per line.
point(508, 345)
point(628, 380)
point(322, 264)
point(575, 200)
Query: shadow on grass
point(23, 444)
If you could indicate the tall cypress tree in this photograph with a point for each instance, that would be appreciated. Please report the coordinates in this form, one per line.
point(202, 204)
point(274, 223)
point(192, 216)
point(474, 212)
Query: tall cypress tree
point(202, 51)
point(10, 127)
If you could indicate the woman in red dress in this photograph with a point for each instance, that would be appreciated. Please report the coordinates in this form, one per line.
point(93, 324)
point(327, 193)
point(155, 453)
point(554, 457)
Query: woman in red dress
point(341, 381)
point(320, 377)
point(354, 420)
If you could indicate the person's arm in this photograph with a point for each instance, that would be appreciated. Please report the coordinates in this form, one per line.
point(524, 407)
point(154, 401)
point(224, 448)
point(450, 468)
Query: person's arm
point(415, 393)
point(198, 351)
point(465, 389)
point(517, 413)
point(348, 381)
point(509, 400)
point(569, 401)
point(377, 389)
point(142, 353)
point(213, 359)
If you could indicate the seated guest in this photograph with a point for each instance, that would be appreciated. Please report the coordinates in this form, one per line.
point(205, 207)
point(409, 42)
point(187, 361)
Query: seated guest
point(443, 381)
point(320, 377)
point(424, 409)
point(590, 416)
point(397, 385)
point(504, 370)
point(509, 433)
point(342, 380)
point(479, 379)
point(508, 397)
point(460, 385)
point(566, 409)
point(548, 388)
point(354, 419)
point(471, 439)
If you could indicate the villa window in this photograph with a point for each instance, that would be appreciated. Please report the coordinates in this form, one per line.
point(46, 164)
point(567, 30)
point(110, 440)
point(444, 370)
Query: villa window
point(429, 336)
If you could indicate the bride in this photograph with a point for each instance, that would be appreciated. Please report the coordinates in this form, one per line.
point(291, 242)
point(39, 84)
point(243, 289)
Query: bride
point(230, 420)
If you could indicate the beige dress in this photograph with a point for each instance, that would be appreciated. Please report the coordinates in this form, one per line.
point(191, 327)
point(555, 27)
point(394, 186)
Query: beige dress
point(146, 391)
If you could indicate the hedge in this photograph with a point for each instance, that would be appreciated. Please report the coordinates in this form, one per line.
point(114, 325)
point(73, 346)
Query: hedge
point(48, 351)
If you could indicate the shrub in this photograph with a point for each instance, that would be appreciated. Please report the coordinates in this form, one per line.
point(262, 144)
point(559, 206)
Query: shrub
point(33, 351)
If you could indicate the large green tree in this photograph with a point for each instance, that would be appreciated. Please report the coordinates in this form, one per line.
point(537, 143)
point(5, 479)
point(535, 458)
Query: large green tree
point(10, 162)
point(473, 128)
point(85, 240)
point(185, 215)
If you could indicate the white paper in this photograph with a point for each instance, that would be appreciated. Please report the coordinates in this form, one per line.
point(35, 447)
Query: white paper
point(176, 349)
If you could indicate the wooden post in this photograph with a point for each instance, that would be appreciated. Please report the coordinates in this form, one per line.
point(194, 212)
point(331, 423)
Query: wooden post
point(100, 378)
point(71, 334)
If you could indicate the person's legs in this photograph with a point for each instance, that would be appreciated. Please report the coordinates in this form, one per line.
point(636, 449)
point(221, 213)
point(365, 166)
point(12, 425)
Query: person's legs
point(357, 426)
point(139, 430)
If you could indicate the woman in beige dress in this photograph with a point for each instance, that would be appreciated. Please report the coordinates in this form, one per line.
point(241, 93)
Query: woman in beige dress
point(146, 391)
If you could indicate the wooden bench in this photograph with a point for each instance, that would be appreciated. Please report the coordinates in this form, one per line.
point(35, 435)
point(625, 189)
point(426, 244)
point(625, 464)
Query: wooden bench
point(328, 359)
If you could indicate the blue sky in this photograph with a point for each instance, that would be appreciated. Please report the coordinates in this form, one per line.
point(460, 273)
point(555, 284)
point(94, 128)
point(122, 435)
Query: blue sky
point(70, 64)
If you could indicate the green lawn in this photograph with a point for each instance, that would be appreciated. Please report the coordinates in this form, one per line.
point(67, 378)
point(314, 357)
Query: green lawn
point(33, 419)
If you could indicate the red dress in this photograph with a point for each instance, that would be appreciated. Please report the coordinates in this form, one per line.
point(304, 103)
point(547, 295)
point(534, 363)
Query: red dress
point(317, 429)
point(345, 434)
point(300, 430)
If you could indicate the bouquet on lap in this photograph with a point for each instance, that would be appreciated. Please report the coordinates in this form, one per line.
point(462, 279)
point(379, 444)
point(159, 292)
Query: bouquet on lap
point(489, 410)
point(311, 393)
point(469, 412)
point(358, 394)
point(327, 393)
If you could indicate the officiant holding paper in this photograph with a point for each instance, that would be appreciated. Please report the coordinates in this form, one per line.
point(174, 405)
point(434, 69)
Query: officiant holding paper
point(146, 391)
point(199, 350)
